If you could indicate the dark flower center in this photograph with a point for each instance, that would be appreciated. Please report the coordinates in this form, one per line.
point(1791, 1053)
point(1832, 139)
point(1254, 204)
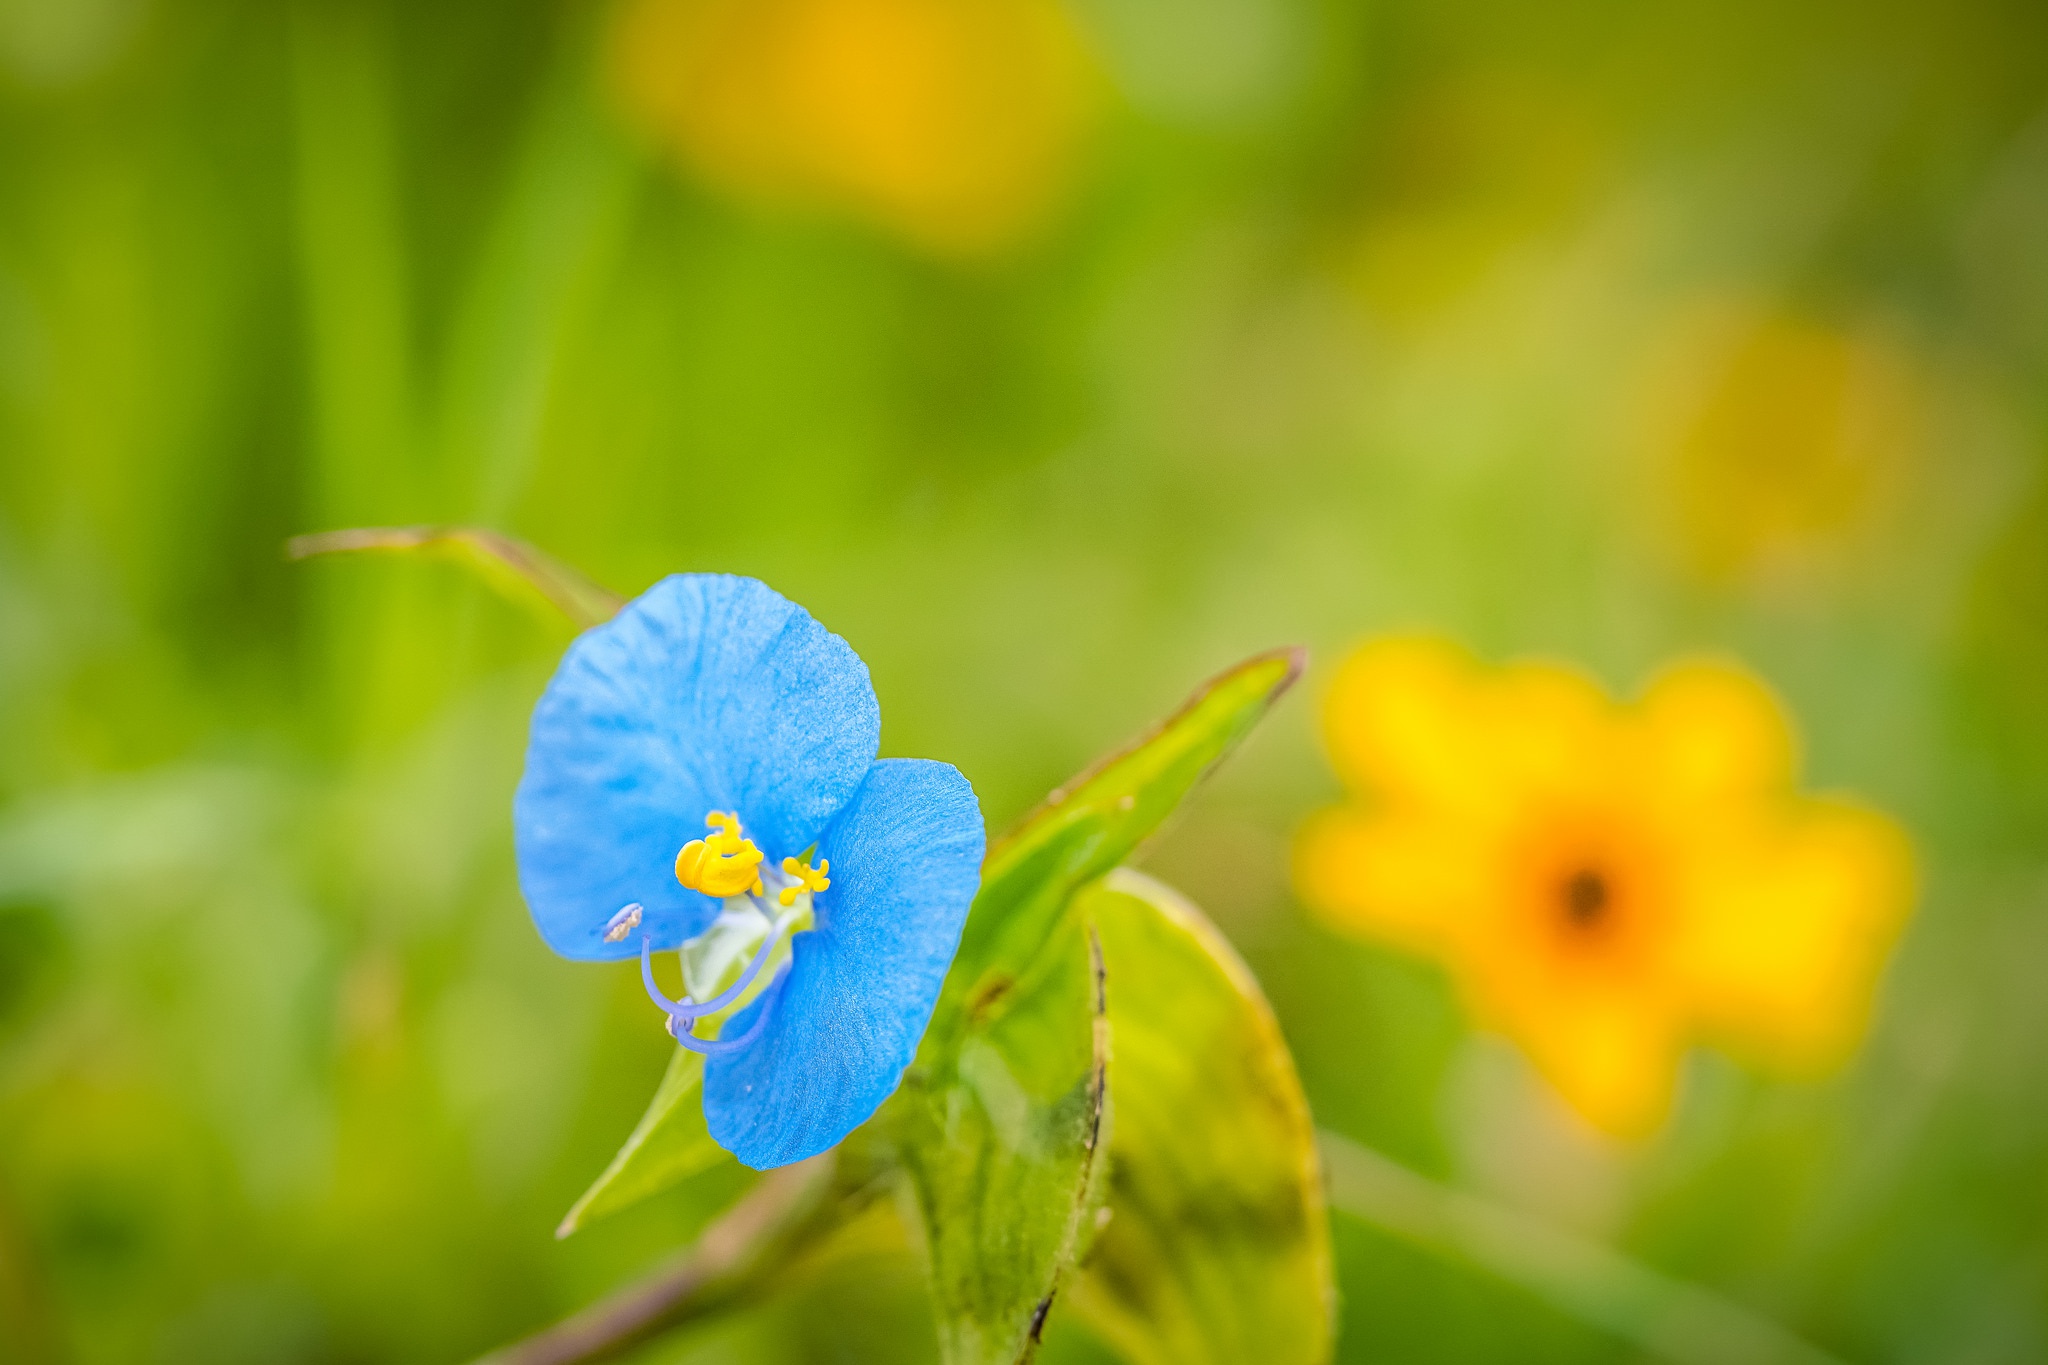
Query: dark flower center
point(1586, 898)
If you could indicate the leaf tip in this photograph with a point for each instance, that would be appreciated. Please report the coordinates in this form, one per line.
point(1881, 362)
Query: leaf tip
point(1294, 659)
point(502, 559)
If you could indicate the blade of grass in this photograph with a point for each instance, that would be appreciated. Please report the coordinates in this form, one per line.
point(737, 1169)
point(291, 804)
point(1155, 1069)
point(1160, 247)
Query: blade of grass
point(1669, 1318)
point(352, 263)
point(553, 245)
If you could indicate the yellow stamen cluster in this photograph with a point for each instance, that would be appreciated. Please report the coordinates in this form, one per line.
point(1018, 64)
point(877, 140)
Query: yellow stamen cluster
point(811, 879)
point(723, 864)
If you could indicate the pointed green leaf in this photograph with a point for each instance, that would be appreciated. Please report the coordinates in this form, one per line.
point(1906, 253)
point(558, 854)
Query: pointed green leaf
point(1097, 820)
point(670, 1144)
point(1216, 1247)
point(510, 565)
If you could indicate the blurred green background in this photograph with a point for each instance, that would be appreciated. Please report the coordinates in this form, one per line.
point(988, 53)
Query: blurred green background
point(1596, 330)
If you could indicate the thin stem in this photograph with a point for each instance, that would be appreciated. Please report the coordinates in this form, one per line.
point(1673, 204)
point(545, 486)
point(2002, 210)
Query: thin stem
point(729, 1265)
point(1669, 1318)
point(502, 558)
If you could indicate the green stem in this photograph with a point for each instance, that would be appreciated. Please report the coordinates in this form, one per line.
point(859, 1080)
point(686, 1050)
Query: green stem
point(1669, 1318)
point(734, 1262)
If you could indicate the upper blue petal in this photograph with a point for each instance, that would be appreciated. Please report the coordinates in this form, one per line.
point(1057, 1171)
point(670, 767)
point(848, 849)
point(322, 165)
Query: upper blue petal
point(708, 692)
point(906, 861)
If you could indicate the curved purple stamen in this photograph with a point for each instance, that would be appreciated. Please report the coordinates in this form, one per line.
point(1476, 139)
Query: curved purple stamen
point(679, 1029)
point(687, 1010)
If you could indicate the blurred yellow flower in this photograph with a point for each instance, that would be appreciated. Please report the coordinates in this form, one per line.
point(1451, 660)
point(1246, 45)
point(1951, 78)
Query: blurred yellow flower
point(1781, 436)
point(1609, 884)
point(954, 123)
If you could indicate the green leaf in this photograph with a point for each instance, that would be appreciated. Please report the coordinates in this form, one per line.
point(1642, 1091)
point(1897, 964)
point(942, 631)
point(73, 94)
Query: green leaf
point(1217, 1247)
point(999, 1124)
point(998, 1136)
point(1098, 819)
point(511, 565)
point(670, 1144)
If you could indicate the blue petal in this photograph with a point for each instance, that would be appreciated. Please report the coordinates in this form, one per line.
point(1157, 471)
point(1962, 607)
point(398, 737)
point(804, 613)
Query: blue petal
point(706, 693)
point(906, 861)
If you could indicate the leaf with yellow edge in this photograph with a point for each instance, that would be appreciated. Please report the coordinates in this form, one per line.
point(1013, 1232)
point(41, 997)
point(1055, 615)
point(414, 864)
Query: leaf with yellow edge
point(999, 1135)
point(1217, 1246)
point(670, 1143)
point(511, 565)
point(999, 1122)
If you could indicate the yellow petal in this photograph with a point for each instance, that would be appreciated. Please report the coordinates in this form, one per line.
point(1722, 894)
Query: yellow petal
point(1413, 719)
point(1548, 733)
point(1612, 1054)
point(1403, 879)
point(1713, 732)
point(1786, 938)
point(1393, 713)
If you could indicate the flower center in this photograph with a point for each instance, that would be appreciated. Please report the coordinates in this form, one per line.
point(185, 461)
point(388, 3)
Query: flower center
point(723, 863)
point(743, 955)
point(1587, 899)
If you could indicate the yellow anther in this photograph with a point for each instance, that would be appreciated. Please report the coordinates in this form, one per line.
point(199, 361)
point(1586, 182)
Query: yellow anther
point(812, 879)
point(723, 864)
point(725, 834)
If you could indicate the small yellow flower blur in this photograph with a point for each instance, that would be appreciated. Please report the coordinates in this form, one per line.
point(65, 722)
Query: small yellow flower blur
point(1782, 437)
point(1609, 884)
point(954, 123)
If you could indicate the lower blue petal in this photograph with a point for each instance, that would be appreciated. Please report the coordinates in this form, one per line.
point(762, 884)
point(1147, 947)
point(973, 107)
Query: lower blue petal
point(906, 861)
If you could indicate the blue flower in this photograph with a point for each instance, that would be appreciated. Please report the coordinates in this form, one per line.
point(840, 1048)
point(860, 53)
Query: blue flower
point(687, 761)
